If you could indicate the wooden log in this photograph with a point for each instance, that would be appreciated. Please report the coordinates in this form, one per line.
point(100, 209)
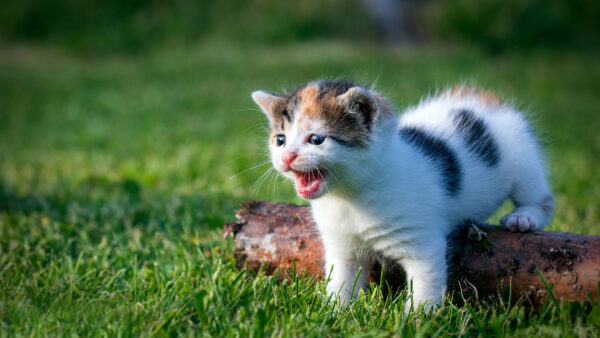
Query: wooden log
point(483, 260)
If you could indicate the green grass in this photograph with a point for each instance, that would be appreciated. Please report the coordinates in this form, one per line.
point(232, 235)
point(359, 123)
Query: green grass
point(117, 174)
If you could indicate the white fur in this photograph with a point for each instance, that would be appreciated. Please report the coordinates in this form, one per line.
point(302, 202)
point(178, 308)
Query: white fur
point(387, 198)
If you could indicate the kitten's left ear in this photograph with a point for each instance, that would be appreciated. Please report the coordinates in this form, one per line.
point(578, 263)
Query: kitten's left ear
point(361, 101)
point(266, 102)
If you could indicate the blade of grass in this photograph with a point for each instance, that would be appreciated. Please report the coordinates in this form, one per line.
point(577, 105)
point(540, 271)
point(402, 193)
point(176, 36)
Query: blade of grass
point(548, 288)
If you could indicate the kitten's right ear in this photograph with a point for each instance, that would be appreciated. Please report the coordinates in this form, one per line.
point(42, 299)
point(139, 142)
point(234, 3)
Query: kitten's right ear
point(361, 101)
point(267, 102)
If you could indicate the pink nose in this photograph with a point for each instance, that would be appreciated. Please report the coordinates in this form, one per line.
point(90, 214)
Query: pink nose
point(289, 157)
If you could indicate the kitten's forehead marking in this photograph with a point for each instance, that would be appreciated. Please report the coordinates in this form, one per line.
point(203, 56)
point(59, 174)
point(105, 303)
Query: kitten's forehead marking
point(310, 105)
point(317, 102)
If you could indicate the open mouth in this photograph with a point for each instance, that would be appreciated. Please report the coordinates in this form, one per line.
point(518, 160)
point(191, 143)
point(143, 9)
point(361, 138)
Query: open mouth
point(309, 183)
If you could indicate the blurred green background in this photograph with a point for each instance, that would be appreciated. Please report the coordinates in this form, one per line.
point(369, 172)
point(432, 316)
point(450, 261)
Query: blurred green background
point(128, 137)
point(102, 26)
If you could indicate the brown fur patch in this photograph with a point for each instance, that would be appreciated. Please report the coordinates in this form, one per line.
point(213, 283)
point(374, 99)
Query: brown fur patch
point(461, 91)
point(310, 106)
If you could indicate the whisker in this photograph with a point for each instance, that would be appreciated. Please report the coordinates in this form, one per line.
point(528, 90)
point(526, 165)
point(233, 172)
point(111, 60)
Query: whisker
point(274, 189)
point(280, 179)
point(251, 168)
point(270, 186)
point(261, 179)
point(323, 178)
point(327, 165)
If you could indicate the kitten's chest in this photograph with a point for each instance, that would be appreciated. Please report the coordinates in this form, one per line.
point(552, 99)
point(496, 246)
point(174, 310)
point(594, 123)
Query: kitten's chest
point(345, 218)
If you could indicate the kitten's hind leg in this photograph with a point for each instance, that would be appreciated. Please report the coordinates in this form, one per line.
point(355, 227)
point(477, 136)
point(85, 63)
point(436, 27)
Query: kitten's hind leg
point(533, 200)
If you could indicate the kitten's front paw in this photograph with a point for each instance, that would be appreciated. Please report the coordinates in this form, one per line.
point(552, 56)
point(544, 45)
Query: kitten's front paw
point(519, 221)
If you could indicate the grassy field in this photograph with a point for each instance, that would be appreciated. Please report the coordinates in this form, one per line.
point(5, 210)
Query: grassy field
point(117, 174)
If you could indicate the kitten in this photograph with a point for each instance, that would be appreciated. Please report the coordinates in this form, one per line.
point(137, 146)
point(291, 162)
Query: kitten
point(390, 186)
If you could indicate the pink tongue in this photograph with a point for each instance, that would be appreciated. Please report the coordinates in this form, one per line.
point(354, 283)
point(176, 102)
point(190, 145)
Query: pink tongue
point(308, 183)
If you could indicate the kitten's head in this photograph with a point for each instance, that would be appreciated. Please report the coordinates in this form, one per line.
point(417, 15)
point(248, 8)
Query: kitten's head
point(318, 131)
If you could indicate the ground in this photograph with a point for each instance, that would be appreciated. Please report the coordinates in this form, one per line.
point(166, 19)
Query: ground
point(118, 172)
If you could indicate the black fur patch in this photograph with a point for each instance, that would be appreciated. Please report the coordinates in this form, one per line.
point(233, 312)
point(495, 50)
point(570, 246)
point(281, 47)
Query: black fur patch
point(476, 137)
point(347, 142)
point(438, 152)
point(285, 109)
point(334, 88)
point(286, 115)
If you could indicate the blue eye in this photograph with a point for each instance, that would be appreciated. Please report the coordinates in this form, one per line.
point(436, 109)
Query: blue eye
point(280, 140)
point(316, 139)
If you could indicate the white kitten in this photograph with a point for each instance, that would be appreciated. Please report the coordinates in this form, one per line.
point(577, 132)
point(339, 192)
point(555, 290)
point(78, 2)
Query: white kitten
point(390, 186)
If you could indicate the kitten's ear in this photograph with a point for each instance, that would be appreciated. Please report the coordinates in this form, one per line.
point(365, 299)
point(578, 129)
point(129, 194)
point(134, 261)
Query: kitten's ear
point(361, 101)
point(266, 102)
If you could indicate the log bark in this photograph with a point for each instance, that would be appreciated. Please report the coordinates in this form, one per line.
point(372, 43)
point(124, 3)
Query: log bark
point(484, 261)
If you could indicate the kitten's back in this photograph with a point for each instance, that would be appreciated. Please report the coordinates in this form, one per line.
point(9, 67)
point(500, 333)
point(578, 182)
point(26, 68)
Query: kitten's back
point(477, 143)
